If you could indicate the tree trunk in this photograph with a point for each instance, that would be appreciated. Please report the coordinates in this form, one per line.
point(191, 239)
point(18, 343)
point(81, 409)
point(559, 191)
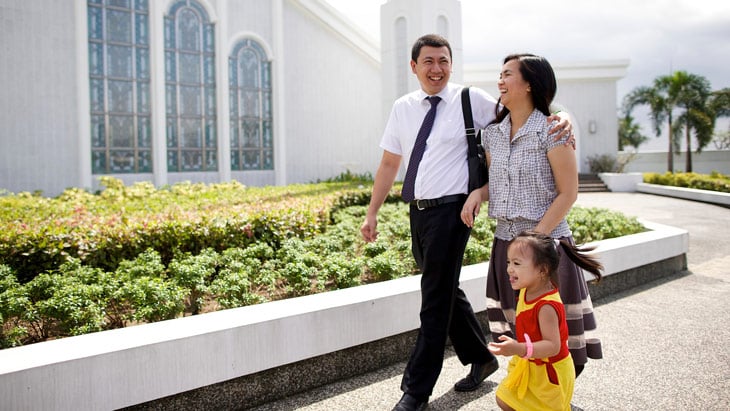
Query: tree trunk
point(670, 150)
point(688, 137)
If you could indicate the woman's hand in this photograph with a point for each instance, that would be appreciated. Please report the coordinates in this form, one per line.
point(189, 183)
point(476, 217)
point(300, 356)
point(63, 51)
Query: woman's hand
point(473, 204)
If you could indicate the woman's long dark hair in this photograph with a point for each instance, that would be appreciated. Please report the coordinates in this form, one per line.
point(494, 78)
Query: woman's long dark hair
point(545, 253)
point(540, 75)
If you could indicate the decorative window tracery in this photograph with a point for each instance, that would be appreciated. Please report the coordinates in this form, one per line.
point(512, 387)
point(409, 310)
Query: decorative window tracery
point(250, 107)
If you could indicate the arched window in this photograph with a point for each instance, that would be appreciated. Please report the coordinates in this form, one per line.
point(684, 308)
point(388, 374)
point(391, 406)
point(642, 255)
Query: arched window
point(442, 24)
point(192, 141)
point(119, 85)
point(249, 73)
point(402, 56)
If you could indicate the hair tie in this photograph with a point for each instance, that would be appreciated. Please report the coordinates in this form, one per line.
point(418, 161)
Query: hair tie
point(556, 242)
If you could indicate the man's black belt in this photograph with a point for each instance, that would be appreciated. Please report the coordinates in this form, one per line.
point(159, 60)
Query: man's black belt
point(435, 202)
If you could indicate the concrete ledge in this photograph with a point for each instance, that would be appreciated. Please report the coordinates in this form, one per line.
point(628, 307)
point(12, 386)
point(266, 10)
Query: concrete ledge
point(225, 359)
point(706, 196)
point(621, 182)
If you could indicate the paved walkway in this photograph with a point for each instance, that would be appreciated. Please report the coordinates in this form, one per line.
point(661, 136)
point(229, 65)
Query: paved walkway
point(666, 345)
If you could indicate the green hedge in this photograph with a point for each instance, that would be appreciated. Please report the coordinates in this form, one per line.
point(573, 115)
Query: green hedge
point(83, 262)
point(714, 181)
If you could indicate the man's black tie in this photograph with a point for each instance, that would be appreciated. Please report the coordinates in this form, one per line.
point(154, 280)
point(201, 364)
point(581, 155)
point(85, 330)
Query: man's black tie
point(418, 148)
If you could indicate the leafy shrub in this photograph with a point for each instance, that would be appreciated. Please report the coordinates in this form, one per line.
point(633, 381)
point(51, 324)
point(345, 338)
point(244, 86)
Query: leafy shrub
point(14, 303)
point(595, 224)
point(296, 266)
point(476, 252)
point(602, 163)
point(153, 299)
point(243, 278)
point(136, 254)
point(608, 163)
point(67, 302)
point(39, 234)
point(349, 176)
point(194, 273)
point(715, 181)
point(389, 265)
point(342, 271)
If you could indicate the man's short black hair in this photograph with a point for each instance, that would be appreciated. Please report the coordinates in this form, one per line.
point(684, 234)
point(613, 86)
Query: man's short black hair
point(430, 40)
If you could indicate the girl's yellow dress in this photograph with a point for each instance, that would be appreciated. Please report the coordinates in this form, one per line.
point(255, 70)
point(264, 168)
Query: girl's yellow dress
point(539, 383)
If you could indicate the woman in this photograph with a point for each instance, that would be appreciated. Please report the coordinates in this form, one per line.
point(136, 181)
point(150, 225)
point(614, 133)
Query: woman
point(532, 186)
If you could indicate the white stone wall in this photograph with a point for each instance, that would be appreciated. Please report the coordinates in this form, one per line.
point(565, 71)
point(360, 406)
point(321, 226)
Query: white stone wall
point(704, 163)
point(38, 114)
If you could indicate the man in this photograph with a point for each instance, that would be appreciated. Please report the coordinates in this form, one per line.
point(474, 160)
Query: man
point(435, 185)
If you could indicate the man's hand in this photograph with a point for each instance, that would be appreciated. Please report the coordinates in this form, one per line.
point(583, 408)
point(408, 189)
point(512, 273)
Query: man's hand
point(563, 128)
point(369, 229)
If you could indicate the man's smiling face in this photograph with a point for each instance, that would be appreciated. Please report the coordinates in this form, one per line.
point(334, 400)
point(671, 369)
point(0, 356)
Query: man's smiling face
point(433, 68)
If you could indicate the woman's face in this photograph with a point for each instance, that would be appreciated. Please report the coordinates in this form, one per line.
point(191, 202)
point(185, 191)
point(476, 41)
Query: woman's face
point(512, 86)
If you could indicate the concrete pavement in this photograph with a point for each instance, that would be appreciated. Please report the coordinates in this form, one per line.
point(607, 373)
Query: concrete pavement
point(666, 344)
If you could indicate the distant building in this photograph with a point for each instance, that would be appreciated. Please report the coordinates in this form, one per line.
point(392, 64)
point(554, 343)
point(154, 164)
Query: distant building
point(262, 92)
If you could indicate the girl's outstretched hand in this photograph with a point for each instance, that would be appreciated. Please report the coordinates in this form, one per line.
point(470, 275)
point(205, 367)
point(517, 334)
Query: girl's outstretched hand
point(509, 346)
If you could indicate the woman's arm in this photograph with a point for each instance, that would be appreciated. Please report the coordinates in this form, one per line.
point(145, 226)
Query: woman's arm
point(563, 164)
point(473, 203)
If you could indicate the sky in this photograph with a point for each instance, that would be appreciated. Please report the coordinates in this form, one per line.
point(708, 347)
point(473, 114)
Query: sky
point(655, 36)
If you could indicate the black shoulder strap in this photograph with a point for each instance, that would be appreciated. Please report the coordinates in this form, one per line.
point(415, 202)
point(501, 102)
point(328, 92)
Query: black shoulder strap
point(468, 121)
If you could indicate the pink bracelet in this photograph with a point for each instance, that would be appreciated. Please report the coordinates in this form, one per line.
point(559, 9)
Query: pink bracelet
point(528, 343)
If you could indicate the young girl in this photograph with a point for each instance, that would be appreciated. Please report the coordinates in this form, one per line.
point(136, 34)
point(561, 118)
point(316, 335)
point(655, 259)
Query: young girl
point(540, 375)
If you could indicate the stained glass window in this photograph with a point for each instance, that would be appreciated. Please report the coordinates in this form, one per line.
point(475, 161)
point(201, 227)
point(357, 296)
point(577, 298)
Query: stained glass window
point(250, 107)
point(192, 142)
point(119, 86)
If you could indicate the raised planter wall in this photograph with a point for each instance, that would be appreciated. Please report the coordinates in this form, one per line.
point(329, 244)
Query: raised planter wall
point(707, 196)
point(621, 182)
point(223, 360)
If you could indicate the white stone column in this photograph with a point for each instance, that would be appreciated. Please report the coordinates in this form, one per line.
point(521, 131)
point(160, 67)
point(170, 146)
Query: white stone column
point(83, 104)
point(278, 91)
point(157, 92)
point(222, 90)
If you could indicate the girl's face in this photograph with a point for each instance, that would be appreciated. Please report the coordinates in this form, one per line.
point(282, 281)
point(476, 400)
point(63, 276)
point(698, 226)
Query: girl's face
point(521, 268)
point(512, 86)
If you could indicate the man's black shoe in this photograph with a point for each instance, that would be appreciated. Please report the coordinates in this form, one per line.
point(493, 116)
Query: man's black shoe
point(478, 373)
point(410, 403)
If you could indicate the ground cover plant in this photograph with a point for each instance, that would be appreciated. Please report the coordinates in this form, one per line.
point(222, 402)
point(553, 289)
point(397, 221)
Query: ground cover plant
point(85, 262)
point(714, 181)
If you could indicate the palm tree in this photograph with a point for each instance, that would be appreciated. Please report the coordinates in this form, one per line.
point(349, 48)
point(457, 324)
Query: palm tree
point(720, 105)
point(682, 91)
point(660, 108)
point(693, 93)
point(629, 133)
point(720, 102)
